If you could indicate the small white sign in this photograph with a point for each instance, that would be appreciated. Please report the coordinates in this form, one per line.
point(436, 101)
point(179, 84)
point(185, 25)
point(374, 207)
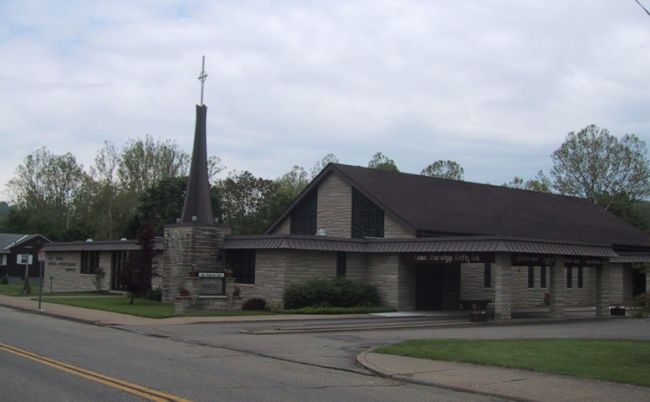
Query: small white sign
point(24, 259)
point(210, 274)
point(41, 255)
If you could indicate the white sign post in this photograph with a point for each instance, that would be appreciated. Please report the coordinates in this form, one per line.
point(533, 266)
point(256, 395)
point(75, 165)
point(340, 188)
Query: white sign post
point(26, 259)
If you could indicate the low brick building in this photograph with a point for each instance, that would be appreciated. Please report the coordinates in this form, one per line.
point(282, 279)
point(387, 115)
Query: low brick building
point(73, 266)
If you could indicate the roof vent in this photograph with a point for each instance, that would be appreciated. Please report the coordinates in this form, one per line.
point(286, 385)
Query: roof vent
point(123, 239)
point(89, 240)
point(321, 232)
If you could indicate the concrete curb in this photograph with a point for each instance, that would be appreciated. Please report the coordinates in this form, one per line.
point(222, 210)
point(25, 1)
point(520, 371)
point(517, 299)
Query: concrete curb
point(362, 360)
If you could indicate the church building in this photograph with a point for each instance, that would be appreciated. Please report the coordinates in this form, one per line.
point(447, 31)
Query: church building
point(436, 244)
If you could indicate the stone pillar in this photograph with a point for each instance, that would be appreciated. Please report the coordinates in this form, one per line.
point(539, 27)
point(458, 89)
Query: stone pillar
point(502, 272)
point(647, 280)
point(189, 248)
point(610, 289)
point(557, 287)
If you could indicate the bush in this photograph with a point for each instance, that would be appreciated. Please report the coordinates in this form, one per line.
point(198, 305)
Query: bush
point(339, 292)
point(155, 294)
point(642, 304)
point(254, 304)
point(4, 280)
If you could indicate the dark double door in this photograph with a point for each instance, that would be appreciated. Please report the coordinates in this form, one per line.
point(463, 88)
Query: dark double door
point(437, 286)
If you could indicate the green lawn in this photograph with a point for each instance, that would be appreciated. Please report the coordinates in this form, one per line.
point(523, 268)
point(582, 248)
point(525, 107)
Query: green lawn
point(117, 304)
point(613, 360)
point(15, 289)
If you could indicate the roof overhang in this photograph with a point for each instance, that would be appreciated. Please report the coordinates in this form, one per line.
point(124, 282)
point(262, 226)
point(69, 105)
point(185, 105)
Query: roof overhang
point(633, 258)
point(474, 244)
point(112, 245)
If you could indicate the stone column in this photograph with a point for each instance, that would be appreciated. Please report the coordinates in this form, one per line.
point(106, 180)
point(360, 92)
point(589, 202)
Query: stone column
point(609, 287)
point(502, 272)
point(188, 248)
point(557, 287)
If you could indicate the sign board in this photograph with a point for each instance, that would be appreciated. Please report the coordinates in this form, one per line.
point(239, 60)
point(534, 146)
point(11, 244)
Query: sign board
point(448, 258)
point(211, 275)
point(211, 284)
point(41, 255)
point(24, 259)
point(532, 260)
point(583, 262)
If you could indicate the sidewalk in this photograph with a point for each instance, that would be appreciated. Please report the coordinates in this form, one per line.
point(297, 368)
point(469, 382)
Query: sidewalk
point(107, 318)
point(519, 385)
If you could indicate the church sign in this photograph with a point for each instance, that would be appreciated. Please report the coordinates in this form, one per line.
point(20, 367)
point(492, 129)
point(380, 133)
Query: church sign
point(211, 284)
point(448, 258)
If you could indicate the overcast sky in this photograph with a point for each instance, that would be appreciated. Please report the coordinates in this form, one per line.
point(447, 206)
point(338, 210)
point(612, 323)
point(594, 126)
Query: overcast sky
point(493, 85)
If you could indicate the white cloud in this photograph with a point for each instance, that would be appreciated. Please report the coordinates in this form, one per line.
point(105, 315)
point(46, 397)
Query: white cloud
point(495, 86)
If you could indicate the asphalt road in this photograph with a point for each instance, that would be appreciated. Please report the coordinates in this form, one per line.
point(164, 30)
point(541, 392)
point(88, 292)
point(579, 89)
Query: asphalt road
point(177, 361)
point(338, 350)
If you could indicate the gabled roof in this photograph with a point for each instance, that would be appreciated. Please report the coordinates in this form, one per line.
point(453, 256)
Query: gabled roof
point(452, 207)
point(10, 240)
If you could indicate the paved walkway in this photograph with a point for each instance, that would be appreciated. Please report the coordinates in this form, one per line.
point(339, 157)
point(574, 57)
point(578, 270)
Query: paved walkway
point(519, 385)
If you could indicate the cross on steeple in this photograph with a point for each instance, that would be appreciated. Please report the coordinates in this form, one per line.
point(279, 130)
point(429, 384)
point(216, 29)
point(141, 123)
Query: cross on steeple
point(202, 77)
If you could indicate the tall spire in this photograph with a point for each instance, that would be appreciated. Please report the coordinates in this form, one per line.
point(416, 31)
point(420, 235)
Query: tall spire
point(197, 207)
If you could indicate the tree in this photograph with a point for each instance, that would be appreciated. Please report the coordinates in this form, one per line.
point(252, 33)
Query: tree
point(320, 165)
point(138, 268)
point(144, 162)
point(444, 170)
point(610, 172)
point(243, 197)
point(382, 162)
point(287, 188)
point(45, 187)
point(540, 183)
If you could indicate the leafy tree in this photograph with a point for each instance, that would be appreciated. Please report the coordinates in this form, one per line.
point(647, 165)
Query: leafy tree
point(540, 183)
point(137, 271)
point(382, 162)
point(320, 165)
point(610, 172)
point(243, 197)
point(287, 188)
point(45, 187)
point(144, 162)
point(444, 170)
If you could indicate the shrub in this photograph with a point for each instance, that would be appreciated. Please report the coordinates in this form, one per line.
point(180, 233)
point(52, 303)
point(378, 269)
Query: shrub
point(254, 304)
point(155, 294)
point(642, 304)
point(98, 280)
point(4, 280)
point(339, 292)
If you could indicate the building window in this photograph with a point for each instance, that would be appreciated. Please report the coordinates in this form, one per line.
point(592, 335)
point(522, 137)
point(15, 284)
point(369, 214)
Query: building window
point(487, 275)
point(341, 264)
point(303, 216)
point(242, 263)
point(367, 218)
point(580, 273)
point(531, 276)
point(569, 277)
point(89, 262)
point(3, 260)
point(542, 277)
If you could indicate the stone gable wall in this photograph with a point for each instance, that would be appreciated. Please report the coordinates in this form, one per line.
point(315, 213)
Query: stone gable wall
point(334, 207)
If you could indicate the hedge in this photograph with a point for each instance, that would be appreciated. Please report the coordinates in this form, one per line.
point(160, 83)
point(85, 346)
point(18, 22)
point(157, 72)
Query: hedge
point(339, 292)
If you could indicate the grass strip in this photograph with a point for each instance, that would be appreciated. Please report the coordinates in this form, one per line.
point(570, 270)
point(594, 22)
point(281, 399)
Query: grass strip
point(623, 361)
point(118, 304)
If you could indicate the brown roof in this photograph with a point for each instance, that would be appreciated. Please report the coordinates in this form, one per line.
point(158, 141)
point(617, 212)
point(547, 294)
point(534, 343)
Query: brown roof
point(450, 207)
point(474, 244)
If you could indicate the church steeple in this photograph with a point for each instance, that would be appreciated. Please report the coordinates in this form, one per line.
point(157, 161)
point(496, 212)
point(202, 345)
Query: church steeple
point(197, 207)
